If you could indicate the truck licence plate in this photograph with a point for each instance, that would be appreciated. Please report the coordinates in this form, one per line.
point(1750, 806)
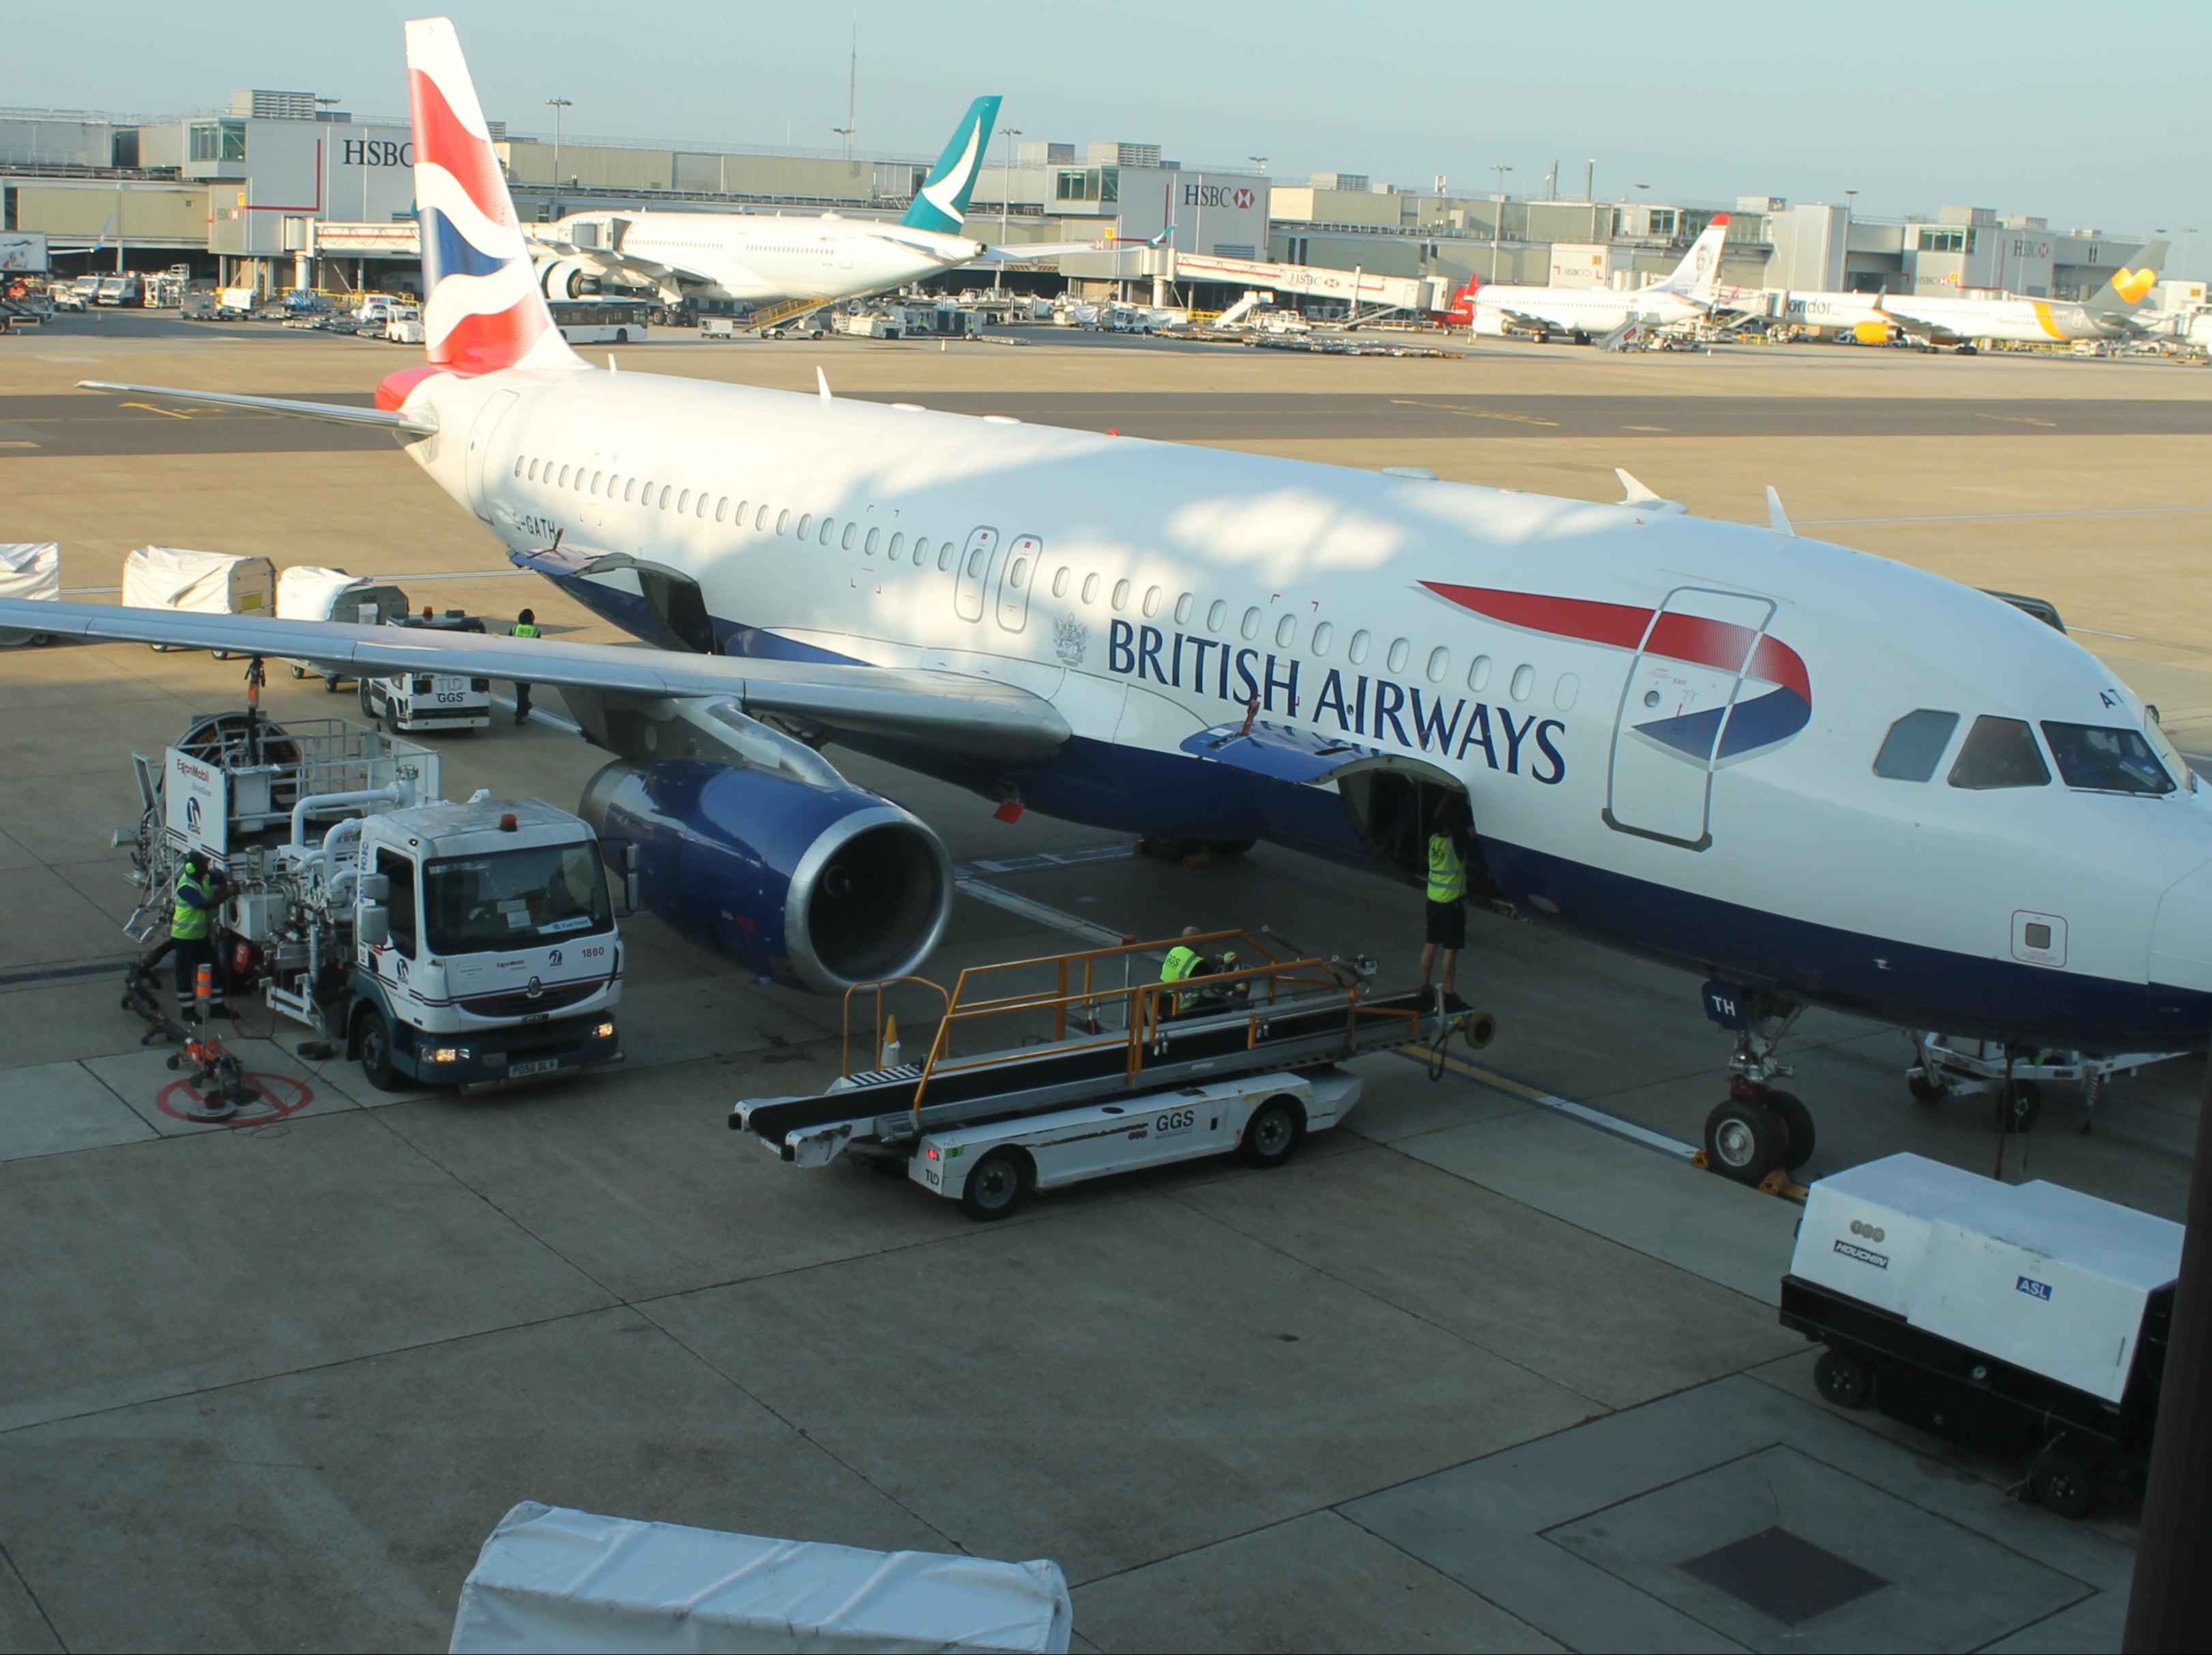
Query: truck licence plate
point(543, 1066)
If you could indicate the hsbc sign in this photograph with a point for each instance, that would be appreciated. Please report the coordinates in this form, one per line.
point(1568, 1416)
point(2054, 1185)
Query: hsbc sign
point(1241, 197)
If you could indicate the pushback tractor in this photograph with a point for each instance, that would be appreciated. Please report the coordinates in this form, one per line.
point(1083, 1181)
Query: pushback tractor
point(441, 943)
point(1046, 1072)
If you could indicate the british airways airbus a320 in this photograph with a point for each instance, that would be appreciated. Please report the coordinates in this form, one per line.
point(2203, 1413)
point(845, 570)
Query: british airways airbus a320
point(1814, 775)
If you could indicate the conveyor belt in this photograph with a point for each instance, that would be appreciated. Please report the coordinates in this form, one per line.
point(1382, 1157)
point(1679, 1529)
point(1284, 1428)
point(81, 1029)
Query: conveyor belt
point(1293, 1033)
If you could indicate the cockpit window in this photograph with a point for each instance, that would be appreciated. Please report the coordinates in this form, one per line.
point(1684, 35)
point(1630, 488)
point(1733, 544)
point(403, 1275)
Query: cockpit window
point(2106, 760)
point(2000, 753)
point(1914, 745)
point(2168, 754)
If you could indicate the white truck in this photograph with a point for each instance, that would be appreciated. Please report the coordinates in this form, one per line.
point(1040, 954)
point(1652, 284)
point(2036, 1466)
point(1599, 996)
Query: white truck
point(430, 700)
point(446, 944)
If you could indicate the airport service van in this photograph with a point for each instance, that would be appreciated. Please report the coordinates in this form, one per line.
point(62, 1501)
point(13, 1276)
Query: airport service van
point(430, 700)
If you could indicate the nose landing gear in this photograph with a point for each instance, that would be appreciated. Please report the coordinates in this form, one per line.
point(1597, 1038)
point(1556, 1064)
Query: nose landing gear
point(1760, 1129)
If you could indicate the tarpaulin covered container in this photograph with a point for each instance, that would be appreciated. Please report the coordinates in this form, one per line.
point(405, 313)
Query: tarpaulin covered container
point(558, 1580)
point(28, 569)
point(206, 582)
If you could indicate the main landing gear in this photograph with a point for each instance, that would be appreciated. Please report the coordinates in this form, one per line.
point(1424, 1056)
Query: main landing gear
point(1760, 1129)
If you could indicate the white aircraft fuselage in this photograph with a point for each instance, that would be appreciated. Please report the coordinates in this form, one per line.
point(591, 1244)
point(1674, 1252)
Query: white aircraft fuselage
point(1946, 317)
point(1590, 312)
point(1236, 639)
point(758, 259)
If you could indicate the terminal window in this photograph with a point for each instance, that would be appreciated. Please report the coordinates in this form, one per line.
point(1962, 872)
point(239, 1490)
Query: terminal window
point(218, 141)
point(1663, 221)
point(1957, 240)
point(1088, 183)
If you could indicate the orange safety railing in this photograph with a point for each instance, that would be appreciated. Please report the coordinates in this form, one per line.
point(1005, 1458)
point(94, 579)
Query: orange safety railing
point(845, 1045)
point(1076, 986)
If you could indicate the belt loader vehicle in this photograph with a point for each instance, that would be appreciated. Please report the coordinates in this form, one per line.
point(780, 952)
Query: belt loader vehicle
point(1082, 1076)
point(441, 943)
point(2025, 1321)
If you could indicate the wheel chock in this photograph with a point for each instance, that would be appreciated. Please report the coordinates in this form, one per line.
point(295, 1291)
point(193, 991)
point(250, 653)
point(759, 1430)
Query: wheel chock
point(1779, 1182)
point(1697, 1160)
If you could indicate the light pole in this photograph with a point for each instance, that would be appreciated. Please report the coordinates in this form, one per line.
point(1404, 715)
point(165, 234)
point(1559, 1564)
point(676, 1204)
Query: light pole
point(1006, 203)
point(1497, 217)
point(1589, 181)
point(558, 104)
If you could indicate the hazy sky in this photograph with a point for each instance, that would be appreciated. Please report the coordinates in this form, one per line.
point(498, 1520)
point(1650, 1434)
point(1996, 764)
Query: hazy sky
point(2029, 107)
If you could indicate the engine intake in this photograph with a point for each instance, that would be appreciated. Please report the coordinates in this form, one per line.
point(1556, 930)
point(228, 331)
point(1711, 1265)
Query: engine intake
point(825, 888)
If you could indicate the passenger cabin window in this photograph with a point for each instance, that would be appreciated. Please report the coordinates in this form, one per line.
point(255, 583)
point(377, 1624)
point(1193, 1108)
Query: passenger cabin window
point(1324, 635)
point(2000, 753)
point(1184, 605)
point(1914, 745)
point(2105, 760)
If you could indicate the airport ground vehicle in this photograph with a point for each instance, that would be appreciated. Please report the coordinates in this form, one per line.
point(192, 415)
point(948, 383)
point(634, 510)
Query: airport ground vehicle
point(126, 289)
point(430, 700)
point(600, 321)
point(2022, 1320)
point(1092, 1066)
point(454, 944)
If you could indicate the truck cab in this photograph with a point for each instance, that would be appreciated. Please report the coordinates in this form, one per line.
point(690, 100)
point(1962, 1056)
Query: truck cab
point(485, 946)
point(430, 700)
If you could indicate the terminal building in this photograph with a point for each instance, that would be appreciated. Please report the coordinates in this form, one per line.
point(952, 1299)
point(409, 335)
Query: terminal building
point(282, 189)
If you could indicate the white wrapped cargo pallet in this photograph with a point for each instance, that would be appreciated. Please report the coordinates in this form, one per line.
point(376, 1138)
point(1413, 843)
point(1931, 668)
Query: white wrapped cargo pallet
point(554, 1579)
point(306, 591)
point(204, 583)
point(29, 569)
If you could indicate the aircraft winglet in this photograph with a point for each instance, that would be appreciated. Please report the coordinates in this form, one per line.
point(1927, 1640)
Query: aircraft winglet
point(822, 383)
point(1641, 496)
point(1777, 518)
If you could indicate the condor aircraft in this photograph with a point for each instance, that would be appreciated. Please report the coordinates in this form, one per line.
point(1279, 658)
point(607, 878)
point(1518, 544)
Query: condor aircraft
point(1688, 295)
point(1958, 320)
point(1814, 775)
point(760, 259)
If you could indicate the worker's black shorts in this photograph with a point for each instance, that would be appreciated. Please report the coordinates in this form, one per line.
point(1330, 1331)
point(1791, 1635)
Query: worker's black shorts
point(1447, 925)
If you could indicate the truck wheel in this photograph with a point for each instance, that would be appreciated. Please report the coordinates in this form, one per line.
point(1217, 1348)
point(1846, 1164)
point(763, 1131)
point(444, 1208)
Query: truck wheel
point(996, 1185)
point(299, 672)
point(1272, 1134)
point(2064, 1481)
point(368, 705)
point(374, 1044)
point(1843, 1378)
point(392, 717)
point(1925, 1090)
point(331, 685)
point(1797, 1122)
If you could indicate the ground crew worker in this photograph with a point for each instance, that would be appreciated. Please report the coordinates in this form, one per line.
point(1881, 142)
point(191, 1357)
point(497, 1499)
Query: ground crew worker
point(1182, 962)
point(526, 626)
point(1450, 845)
point(192, 930)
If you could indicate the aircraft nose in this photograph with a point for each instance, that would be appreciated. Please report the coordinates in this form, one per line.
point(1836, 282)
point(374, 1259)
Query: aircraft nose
point(2181, 936)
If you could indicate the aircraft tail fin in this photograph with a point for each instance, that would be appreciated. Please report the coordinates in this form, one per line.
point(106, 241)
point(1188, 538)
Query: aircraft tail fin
point(942, 202)
point(1699, 275)
point(2130, 284)
point(481, 309)
point(1461, 311)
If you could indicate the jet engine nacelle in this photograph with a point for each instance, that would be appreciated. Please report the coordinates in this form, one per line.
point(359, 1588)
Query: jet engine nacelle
point(569, 278)
point(823, 887)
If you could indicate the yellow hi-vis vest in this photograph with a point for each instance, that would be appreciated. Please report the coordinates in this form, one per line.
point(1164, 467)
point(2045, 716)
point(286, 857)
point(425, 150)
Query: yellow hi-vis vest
point(523, 629)
point(1446, 873)
point(186, 923)
point(1180, 963)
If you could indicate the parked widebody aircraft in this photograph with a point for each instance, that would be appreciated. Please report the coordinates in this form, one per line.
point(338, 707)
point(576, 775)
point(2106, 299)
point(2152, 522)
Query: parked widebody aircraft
point(1687, 295)
point(1814, 775)
point(760, 259)
point(1958, 320)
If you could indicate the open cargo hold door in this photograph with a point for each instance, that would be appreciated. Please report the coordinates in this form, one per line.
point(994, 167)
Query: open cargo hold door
point(1389, 799)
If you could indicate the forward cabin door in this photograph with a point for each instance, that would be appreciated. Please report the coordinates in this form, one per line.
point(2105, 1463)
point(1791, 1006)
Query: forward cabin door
point(973, 577)
point(1685, 679)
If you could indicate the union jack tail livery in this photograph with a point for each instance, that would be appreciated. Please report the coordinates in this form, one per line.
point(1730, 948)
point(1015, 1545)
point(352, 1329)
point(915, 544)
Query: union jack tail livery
point(481, 309)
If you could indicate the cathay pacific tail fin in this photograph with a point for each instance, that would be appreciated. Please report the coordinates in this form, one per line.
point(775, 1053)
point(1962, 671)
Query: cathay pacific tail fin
point(942, 201)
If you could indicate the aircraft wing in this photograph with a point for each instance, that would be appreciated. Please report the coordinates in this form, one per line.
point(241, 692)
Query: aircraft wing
point(1528, 319)
point(414, 424)
point(943, 709)
point(1919, 327)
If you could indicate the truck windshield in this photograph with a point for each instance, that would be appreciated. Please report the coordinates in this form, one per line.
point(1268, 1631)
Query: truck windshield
point(514, 898)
